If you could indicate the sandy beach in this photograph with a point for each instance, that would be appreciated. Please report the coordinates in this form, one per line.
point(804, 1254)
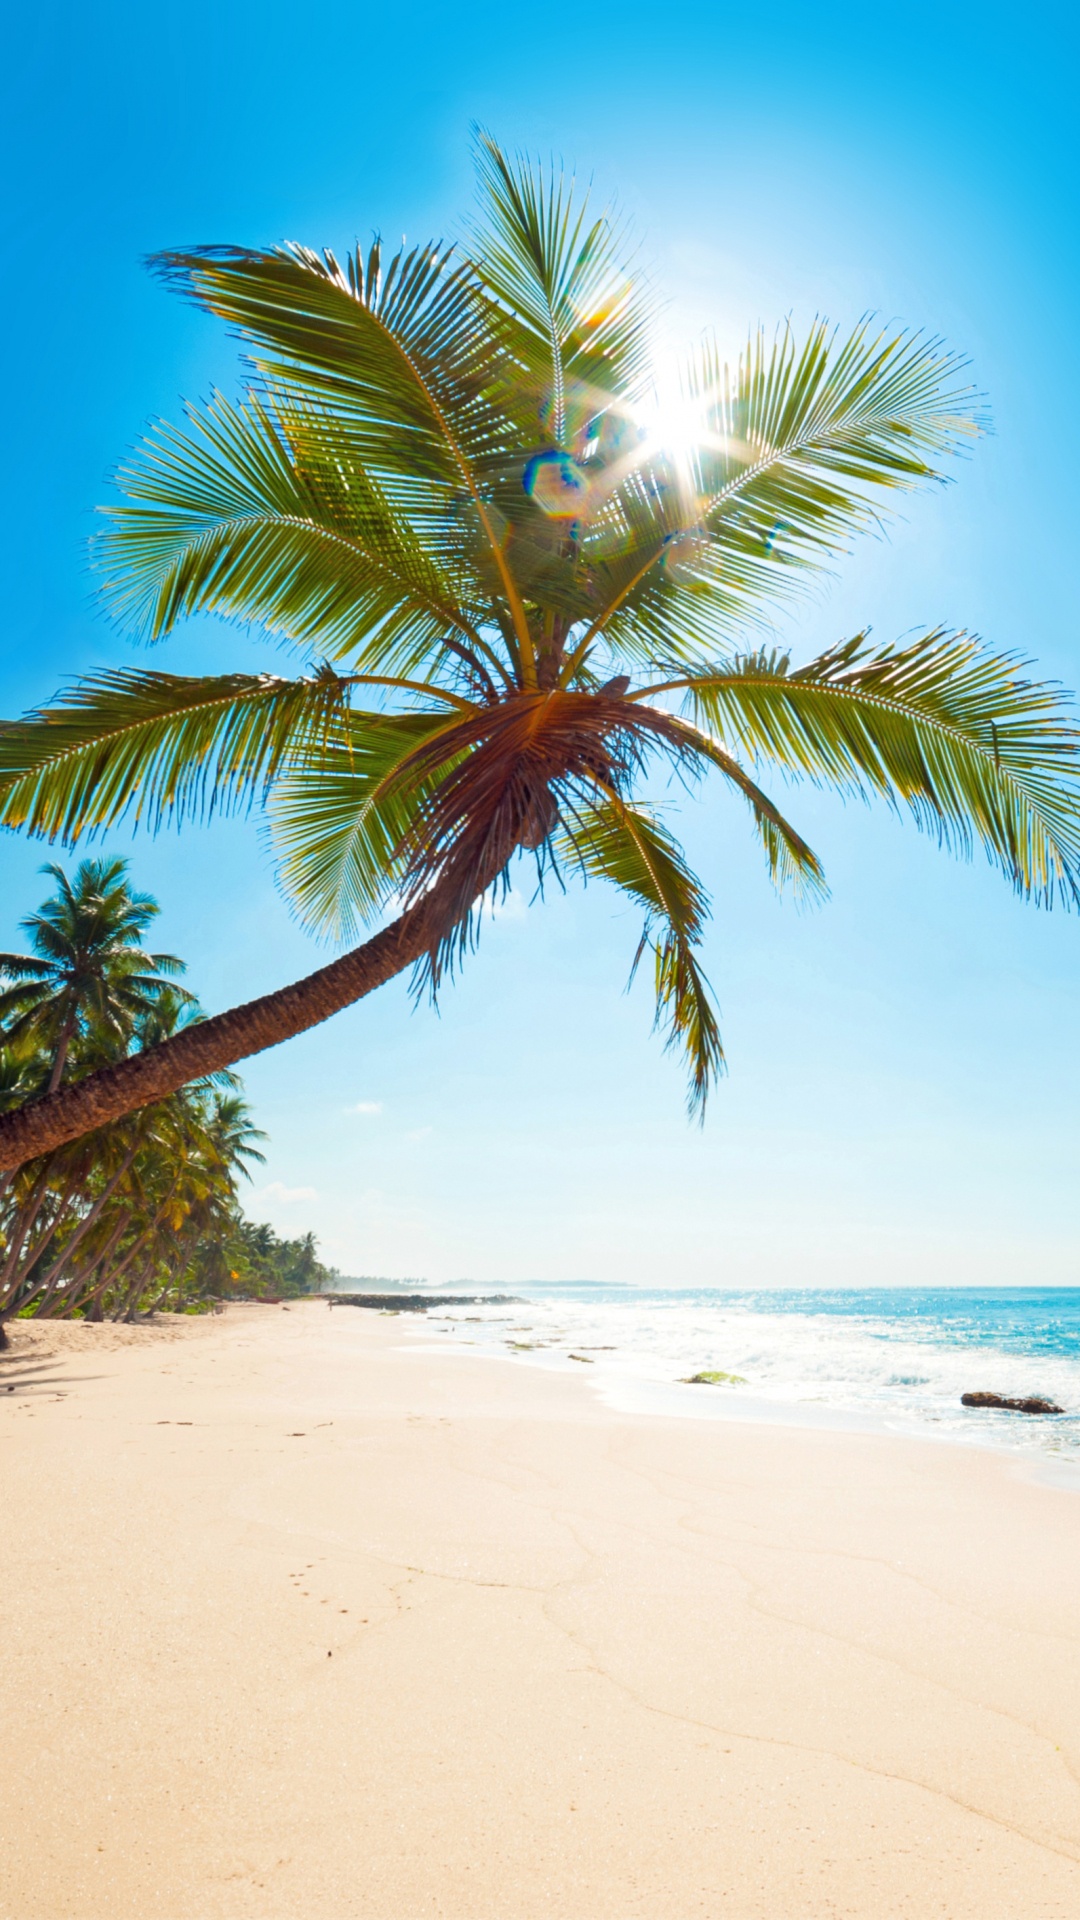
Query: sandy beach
point(305, 1619)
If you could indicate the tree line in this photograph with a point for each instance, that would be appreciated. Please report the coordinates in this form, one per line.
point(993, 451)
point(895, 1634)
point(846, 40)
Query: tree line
point(144, 1213)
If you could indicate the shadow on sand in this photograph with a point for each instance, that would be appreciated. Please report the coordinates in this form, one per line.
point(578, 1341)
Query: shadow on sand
point(23, 1377)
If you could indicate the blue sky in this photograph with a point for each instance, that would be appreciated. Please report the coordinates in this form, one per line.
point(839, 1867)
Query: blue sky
point(901, 1104)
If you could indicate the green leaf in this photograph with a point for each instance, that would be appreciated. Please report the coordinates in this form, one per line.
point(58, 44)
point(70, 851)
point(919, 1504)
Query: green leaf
point(158, 746)
point(628, 846)
point(400, 353)
point(406, 360)
point(577, 324)
point(257, 516)
point(980, 754)
point(791, 862)
point(795, 451)
point(339, 821)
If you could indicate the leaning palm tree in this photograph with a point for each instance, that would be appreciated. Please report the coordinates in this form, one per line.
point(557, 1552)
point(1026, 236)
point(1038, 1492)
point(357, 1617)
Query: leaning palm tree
point(524, 574)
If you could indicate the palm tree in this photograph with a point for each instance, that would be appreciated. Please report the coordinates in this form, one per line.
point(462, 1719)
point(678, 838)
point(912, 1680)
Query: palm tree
point(189, 1191)
point(524, 571)
point(231, 1135)
point(87, 969)
point(128, 1205)
point(24, 1075)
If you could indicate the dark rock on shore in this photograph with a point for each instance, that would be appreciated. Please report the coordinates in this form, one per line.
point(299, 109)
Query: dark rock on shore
point(1032, 1405)
point(418, 1302)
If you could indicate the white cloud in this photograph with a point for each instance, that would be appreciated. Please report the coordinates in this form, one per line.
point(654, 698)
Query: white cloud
point(418, 1133)
point(285, 1196)
point(366, 1106)
point(513, 907)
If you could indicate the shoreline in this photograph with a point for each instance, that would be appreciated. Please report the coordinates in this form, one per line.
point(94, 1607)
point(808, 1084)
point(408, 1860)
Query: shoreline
point(638, 1395)
point(304, 1620)
point(627, 1396)
point(640, 1398)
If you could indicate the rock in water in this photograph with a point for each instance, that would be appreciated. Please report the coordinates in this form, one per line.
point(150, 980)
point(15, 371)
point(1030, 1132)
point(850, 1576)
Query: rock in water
point(713, 1379)
point(1031, 1405)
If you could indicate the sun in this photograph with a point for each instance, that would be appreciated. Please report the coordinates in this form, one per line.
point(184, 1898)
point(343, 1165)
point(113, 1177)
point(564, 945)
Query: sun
point(672, 424)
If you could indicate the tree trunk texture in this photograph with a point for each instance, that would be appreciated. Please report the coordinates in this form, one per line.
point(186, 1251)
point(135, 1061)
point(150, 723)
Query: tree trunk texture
point(227, 1037)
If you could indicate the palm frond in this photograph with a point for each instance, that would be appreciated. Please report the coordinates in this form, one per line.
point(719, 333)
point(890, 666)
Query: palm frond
point(24, 966)
point(578, 323)
point(339, 822)
point(980, 754)
point(157, 747)
point(795, 454)
point(629, 846)
point(251, 515)
point(792, 863)
point(396, 350)
point(877, 409)
point(404, 357)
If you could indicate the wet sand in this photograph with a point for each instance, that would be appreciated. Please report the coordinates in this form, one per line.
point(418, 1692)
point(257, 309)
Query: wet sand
point(304, 1621)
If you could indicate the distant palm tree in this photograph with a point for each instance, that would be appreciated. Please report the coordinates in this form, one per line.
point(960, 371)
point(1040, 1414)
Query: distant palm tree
point(120, 1211)
point(87, 970)
point(232, 1134)
point(525, 567)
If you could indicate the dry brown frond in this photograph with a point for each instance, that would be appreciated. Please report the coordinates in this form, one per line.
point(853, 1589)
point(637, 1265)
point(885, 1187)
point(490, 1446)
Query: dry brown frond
point(511, 767)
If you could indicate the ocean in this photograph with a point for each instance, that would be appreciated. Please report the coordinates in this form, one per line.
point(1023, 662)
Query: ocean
point(897, 1358)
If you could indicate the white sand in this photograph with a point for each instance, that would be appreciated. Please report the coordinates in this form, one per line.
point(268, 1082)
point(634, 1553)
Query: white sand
point(580, 1665)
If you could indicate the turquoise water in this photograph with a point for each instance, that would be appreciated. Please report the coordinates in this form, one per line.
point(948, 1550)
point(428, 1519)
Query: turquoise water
point(901, 1355)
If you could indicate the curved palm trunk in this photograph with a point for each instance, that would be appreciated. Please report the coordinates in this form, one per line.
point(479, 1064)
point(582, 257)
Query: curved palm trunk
point(116, 1272)
point(29, 1251)
point(11, 1272)
point(49, 1285)
point(218, 1042)
point(94, 1288)
point(61, 1054)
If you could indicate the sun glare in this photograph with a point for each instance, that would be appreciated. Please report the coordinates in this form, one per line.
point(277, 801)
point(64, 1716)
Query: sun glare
point(672, 424)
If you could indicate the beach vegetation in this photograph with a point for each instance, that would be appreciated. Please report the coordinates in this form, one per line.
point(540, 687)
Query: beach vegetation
point(87, 970)
point(143, 1213)
point(527, 567)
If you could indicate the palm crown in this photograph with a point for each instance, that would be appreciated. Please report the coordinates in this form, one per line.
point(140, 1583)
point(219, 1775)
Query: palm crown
point(87, 970)
point(519, 572)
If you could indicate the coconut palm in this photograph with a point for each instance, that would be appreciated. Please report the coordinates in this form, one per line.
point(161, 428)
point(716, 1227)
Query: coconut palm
point(122, 1210)
point(88, 969)
point(24, 1075)
point(525, 571)
point(188, 1193)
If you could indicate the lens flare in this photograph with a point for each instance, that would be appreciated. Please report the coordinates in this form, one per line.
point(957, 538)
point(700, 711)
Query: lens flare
point(775, 536)
point(684, 553)
point(558, 485)
point(603, 303)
